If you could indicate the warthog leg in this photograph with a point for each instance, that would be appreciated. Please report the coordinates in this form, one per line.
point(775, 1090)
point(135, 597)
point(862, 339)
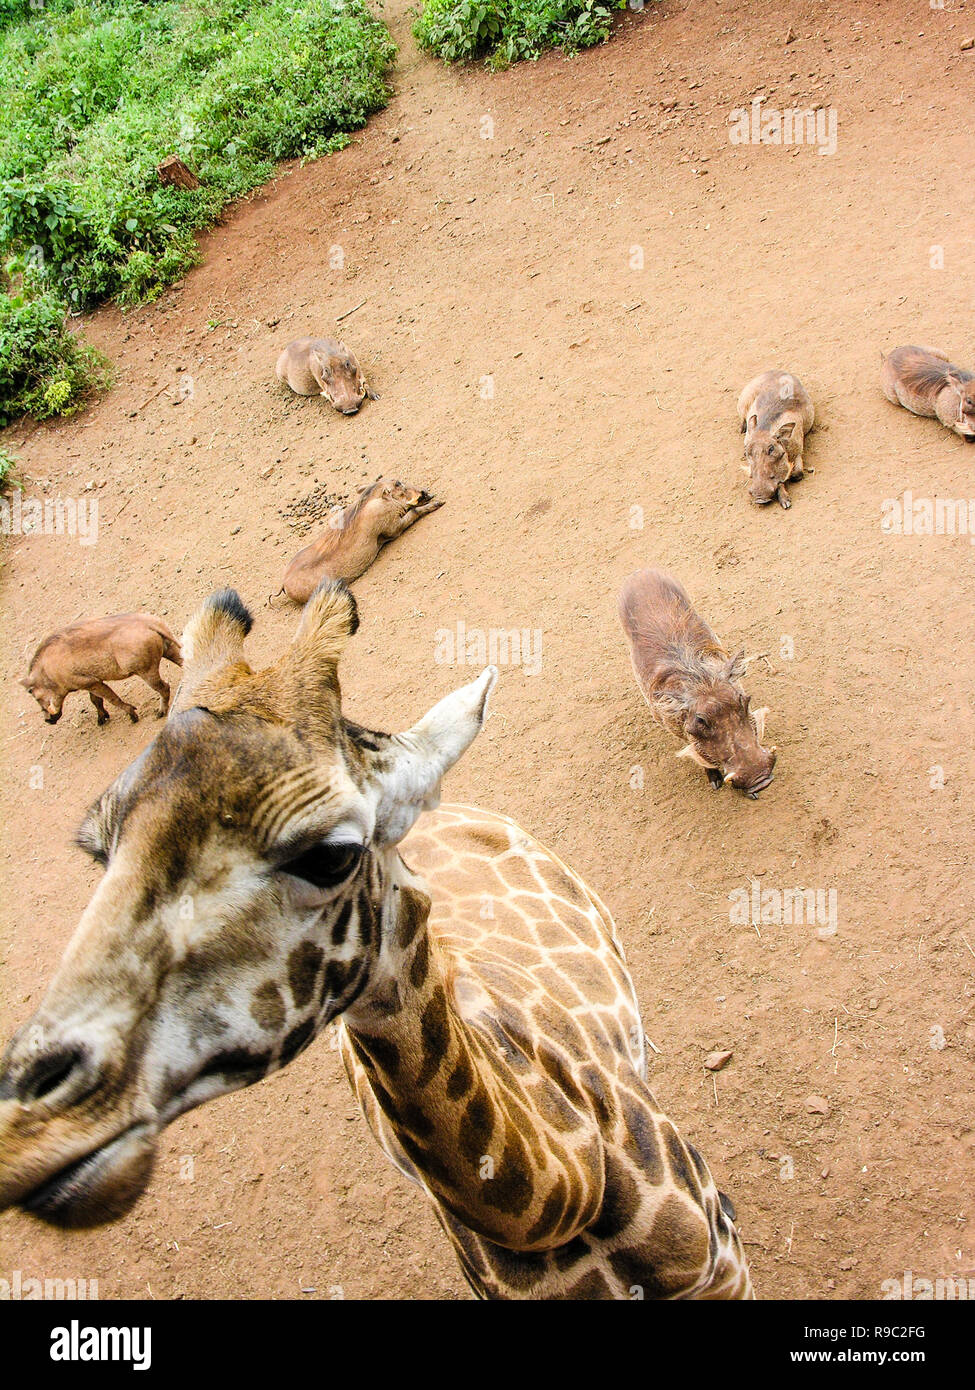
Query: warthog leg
point(105, 692)
point(100, 709)
point(155, 681)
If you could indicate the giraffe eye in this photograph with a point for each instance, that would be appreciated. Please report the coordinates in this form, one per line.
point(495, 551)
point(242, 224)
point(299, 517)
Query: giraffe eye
point(325, 865)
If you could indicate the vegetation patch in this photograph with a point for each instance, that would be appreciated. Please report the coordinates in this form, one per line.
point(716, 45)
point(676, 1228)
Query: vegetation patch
point(504, 31)
point(95, 95)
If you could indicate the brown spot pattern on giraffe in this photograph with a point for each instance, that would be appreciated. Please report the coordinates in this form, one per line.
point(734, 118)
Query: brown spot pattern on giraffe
point(267, 1008)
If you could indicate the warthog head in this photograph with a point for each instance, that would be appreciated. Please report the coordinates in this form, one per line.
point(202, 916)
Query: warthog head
point(965, 423)
point(340, 377)
point(768, 463)
point(49, 699)
point(723, 734)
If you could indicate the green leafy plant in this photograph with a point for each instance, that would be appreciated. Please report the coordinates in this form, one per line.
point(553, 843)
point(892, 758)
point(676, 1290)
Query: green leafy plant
point(45, 369)
point(8, 470)
point(504, 31)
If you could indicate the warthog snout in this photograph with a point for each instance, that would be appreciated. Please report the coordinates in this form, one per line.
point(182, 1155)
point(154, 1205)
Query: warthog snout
point(754, 776)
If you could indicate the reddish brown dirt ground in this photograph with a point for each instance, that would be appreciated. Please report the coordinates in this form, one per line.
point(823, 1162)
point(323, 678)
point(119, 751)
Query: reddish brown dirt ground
point(614, 390)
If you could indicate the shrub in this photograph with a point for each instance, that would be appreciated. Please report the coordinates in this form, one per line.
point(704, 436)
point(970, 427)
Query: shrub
point(504, 31)
point(8, 471)
point(45, 369)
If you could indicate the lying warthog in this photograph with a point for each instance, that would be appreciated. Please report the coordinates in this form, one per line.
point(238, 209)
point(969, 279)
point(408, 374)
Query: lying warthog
point(324, 367)
point(355, 535)
point(776, 414)
point(923, 381)
point(85, 655)
point(688, 680)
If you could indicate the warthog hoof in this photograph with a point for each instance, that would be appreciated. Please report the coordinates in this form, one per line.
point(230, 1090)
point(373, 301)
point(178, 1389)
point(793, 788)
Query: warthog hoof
point(133, 714)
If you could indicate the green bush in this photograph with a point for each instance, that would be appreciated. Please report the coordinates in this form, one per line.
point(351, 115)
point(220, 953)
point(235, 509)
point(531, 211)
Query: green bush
point(8, 471)
point(504, 31)
point(45, 369)
point(95, 94)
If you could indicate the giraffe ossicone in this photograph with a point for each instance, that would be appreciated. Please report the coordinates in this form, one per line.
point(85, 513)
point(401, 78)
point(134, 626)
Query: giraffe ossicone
point(254, 892)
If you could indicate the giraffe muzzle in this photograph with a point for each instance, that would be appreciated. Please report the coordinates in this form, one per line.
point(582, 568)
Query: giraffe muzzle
point(100, 1187)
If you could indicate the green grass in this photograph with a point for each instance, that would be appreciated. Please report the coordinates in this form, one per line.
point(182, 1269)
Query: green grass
point(95, 94)
point(504, 31)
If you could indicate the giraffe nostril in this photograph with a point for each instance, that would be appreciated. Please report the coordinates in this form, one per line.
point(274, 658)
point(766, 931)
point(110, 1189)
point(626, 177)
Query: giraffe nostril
point(49, 1072)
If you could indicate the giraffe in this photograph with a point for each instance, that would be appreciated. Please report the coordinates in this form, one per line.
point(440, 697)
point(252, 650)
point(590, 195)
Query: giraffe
point(255, 892)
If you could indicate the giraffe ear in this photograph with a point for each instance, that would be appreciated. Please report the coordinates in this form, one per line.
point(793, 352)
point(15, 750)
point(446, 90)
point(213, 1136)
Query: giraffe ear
point(212, 639)
point(409, 767)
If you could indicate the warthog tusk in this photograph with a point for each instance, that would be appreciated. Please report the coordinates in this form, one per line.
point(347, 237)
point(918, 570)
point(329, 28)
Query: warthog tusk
point(728, 776)
point(758, 719)
point(691, 752)
point(744, 467)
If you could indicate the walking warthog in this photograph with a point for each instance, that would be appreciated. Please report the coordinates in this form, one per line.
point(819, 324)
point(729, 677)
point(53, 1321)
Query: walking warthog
point(923, 381)
point(325, 367)
point(689, 682)
point(355, 535)
point(85, 655)
point(776, 414)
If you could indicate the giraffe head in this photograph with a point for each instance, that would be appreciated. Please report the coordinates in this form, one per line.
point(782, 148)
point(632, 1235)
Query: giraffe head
point(250, 863)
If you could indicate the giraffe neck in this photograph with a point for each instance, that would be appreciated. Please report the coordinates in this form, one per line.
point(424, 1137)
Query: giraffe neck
point(481, 1147)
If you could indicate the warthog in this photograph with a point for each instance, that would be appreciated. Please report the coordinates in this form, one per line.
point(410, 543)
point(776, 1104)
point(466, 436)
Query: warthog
point(776, 414)
point(923, 381)
point(689, 682)
point(355, 535)
point(84, 655)
point(325, 367)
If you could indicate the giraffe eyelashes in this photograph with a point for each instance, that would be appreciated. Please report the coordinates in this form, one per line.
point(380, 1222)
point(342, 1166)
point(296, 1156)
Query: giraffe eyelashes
point(325, 865)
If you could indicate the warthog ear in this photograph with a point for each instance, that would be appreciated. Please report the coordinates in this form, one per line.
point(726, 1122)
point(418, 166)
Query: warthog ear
point(785, 431)
point(317, 368)
point(212, 640)
point(735, 666)
point(752, 422)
